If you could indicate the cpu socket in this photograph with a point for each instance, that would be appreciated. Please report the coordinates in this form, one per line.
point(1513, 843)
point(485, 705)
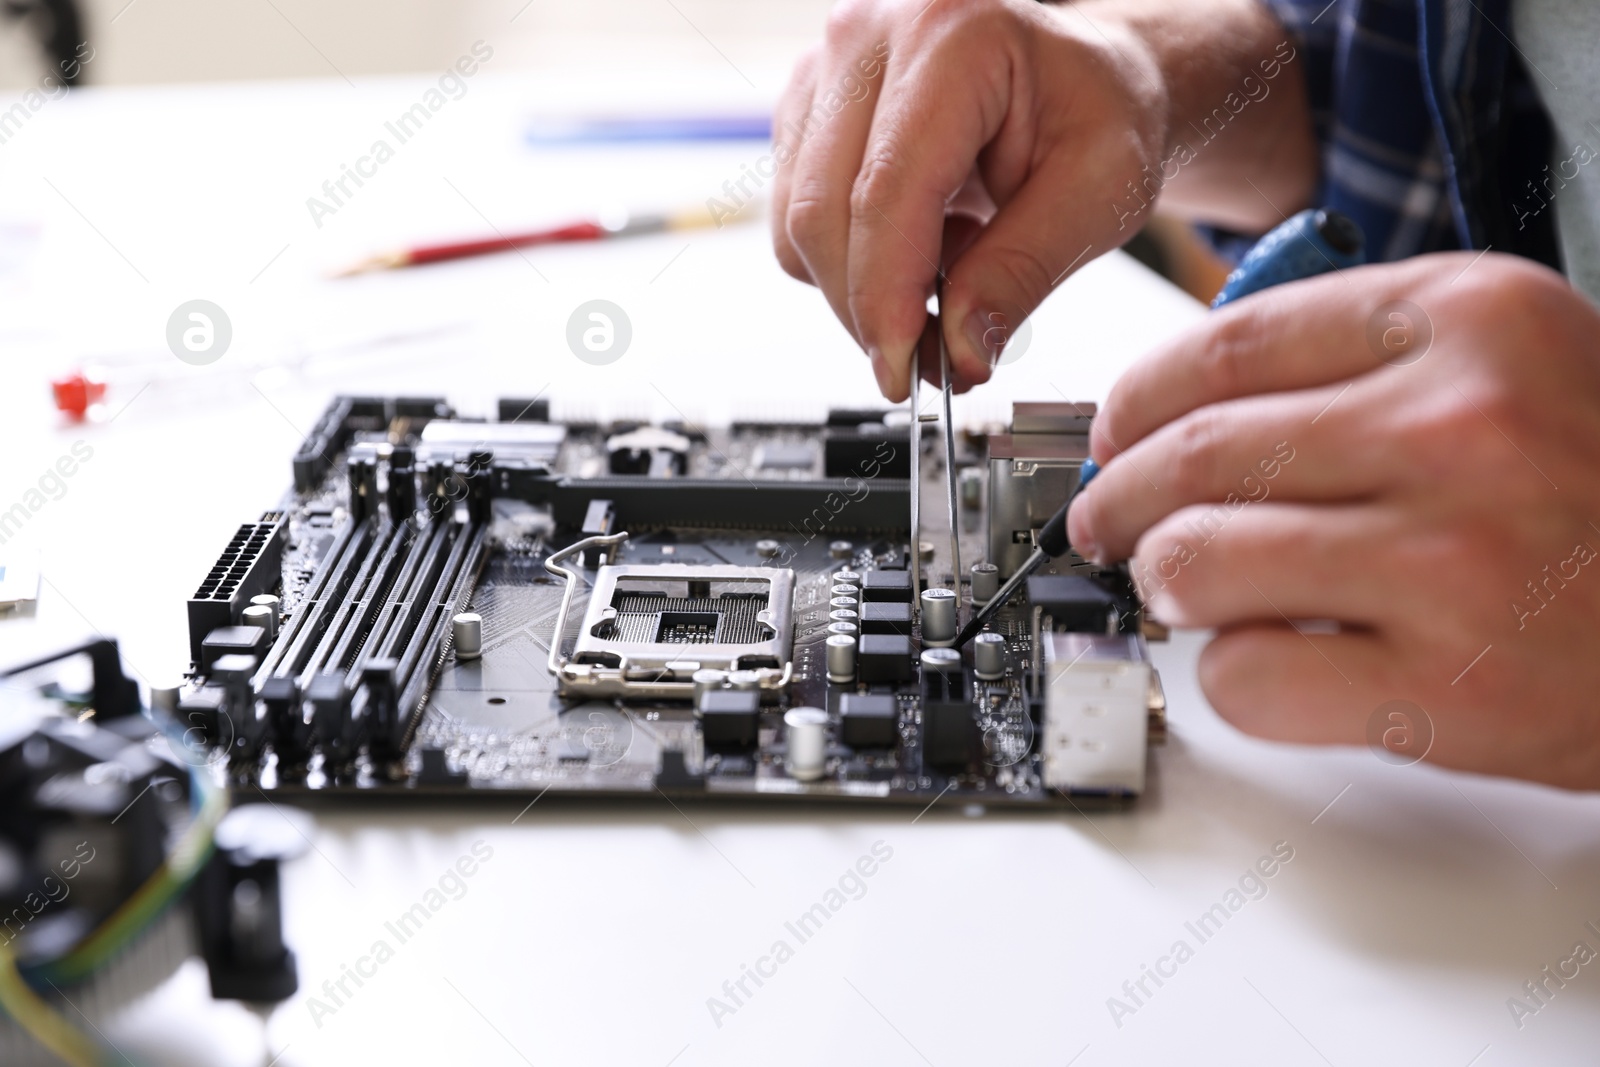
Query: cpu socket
point(648, 628)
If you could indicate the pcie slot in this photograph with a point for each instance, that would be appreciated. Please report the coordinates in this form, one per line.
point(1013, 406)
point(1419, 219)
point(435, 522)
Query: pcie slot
point(836, 504)
point(311, 617)
point(354, 616)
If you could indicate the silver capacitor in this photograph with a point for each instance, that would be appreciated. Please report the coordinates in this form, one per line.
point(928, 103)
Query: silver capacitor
point(844, 615)
point(989, 656)
point(842, 627)
point(706, 679)
point(466, 634)
point(806, 733)
point(840, 549)
point(942, 660)
point(852, 591)
point(270, 600)
point(745, 679)
point(841, 657)
point(938, 617)
point(165, 697)
point(985, 582)
point(262, 616)
point(843, 602)
point(846, 576)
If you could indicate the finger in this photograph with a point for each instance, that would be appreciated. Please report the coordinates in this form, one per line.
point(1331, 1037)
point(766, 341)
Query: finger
point(1293, 336)
point(1219, 566)
point(1029, 247)
point(786, 145)
point(833, 131)
point(919, 153)
point(960, 230)
point(1309, 445)
point(1273, 681)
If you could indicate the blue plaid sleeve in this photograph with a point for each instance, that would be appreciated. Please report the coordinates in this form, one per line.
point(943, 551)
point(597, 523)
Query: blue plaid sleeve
point(1380, 158)
point(1423, 122)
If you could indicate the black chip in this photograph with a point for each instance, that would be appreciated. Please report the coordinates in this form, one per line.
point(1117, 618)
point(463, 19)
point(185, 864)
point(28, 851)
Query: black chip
point(867, 720)
point(232, 641)
point(1076, 603)
point(885, 617)
point(884, 658)
point(729, 718)
point(949, 735)
point(886, 585)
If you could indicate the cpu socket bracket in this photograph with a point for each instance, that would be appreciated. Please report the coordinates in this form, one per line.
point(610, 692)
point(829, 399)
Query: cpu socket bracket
point(649, 627)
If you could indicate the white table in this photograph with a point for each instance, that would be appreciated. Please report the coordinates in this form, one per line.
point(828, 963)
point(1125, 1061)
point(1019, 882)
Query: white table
point(1416, 901)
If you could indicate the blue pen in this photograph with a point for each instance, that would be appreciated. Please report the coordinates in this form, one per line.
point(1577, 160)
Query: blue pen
point(1313, 242)
point(668, 128)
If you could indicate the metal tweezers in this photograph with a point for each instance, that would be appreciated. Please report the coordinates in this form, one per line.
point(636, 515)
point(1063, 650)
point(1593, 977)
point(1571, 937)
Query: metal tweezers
point(932, 337)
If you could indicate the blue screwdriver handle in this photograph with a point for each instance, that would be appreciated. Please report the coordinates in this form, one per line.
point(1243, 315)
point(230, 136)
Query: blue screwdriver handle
point(1313, 242)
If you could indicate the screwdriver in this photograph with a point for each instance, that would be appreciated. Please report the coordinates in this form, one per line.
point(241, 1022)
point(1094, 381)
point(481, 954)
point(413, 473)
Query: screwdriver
point(1051, 543)
point(1312, 242)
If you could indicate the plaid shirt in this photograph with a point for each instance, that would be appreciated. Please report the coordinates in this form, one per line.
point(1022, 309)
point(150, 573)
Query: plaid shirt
point(1429, 126)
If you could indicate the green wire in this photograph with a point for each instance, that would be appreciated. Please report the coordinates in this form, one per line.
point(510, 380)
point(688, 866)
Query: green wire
point(18, 997)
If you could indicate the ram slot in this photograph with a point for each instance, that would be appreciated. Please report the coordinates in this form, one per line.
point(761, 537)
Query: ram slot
point(316, 607)
point(424, 651)
point(355, 615)
point(399, 619)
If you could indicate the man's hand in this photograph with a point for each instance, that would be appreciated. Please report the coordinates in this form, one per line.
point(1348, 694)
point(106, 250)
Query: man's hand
point(1006, 143)
point(1409, 451)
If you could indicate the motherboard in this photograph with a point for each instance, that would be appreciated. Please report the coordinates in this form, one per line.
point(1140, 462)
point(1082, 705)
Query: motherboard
point(445, 604)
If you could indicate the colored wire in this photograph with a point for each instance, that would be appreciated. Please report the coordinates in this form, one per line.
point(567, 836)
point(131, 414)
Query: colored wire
point(40, 1020)
point(18, 998)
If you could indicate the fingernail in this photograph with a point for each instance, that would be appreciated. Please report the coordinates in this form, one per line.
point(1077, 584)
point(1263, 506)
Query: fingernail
point(875, 357)
point(1160, 606)
point(985, 338)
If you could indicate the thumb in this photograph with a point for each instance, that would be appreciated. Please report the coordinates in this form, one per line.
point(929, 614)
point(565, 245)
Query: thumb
point(1030, 246)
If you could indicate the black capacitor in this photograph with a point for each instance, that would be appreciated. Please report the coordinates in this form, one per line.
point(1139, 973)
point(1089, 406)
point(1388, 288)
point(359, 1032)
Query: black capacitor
point(480, 485)
point(383, 708)
point(200, 715)
point(286, 722)
point(239, 905)
point(247, 728)
point(331, 722)
point(950, 735)
point(402, 484)
point(363, 471)
point(444, 487)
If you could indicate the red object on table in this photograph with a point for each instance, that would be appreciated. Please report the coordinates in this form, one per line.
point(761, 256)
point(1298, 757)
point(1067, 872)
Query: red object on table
point(75, 394)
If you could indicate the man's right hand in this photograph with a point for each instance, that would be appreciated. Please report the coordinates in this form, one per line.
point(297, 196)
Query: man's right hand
point(1000, 140)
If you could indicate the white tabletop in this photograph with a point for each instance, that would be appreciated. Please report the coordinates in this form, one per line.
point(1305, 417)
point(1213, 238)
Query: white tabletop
point(1416, 902)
